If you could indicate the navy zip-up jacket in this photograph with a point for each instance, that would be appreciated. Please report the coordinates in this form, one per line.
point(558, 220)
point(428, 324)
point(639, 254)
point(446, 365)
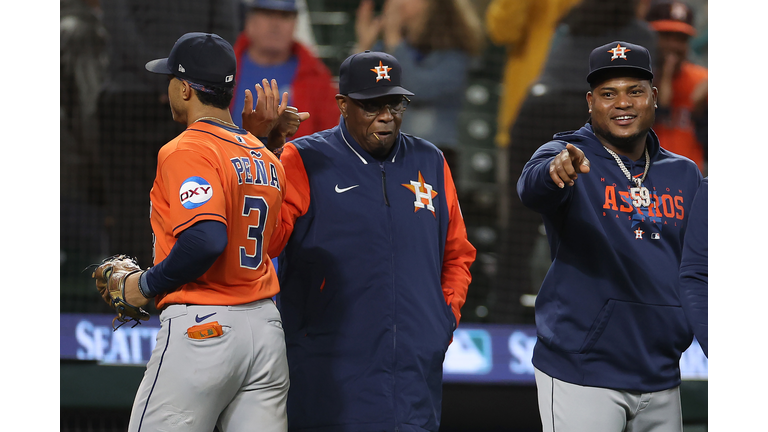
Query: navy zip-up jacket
point(608, 313)
point(372, 278)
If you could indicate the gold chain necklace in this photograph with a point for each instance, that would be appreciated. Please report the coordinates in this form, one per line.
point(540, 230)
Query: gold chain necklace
point(218, 120)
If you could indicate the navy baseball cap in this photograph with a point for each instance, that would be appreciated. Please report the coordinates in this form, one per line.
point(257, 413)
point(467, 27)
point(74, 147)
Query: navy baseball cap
point(619, 57)
point(204, 59)
point(278, 5)
point(369, 75)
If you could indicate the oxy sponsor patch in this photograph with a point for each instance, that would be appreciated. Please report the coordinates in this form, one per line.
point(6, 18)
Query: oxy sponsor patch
point(194, 192)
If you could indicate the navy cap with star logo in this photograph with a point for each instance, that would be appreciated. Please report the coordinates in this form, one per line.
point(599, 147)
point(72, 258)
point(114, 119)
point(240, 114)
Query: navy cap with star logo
point(200, 58)
point(617, 58)
point(371, 74)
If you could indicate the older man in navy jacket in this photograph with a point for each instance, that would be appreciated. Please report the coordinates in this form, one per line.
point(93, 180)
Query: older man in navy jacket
point(376, 263)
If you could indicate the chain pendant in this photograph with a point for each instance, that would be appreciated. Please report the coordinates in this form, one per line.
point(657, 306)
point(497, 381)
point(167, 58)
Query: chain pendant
point(641, 196)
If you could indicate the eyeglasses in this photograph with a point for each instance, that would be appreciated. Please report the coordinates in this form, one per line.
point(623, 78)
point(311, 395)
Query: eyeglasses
point(373, 108)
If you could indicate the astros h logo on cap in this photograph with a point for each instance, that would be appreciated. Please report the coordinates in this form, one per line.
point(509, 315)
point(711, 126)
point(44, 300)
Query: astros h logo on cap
point(381, 71)
point(371, 74)
point(619, 52)
point(629, 58)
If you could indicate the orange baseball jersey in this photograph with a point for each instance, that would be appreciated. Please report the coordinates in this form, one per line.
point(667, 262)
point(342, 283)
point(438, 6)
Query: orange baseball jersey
point(212, 172)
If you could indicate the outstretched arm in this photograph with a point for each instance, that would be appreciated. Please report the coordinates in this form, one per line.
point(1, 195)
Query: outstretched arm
point(542, 185)
point(566, 166)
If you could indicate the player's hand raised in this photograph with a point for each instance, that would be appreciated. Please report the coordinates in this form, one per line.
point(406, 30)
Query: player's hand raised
point(264, 117)
point(567, 165)
point(287, 125)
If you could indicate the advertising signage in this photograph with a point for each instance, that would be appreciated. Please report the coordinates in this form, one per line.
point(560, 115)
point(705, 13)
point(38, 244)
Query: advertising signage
point(480, 353)
point(502, 354)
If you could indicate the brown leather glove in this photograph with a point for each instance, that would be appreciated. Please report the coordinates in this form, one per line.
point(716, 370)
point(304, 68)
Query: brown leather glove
point(110, 281)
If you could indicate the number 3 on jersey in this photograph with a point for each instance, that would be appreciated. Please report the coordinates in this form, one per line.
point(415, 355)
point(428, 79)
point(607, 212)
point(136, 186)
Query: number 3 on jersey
point(255, 232)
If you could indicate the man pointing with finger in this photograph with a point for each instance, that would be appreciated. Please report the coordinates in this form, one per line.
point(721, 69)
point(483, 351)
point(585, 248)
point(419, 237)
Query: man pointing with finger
point(609, 321)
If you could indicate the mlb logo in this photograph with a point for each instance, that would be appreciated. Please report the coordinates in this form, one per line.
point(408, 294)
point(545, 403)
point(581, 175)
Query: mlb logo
point(655, 236)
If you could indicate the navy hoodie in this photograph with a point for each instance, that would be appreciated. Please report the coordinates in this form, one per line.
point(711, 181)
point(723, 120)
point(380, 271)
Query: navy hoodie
point(608, 313)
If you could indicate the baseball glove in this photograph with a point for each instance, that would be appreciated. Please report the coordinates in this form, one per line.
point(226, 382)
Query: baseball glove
point(110, 281)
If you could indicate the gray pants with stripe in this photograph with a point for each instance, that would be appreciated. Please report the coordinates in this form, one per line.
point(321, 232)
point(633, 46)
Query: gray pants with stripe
point(237, 381)
point(566, 407)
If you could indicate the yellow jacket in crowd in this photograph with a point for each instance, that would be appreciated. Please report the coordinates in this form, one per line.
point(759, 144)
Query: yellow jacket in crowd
point(526, 28)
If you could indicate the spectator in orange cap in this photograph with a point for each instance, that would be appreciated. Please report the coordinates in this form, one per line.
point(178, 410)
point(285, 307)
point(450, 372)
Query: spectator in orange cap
point(681, 117)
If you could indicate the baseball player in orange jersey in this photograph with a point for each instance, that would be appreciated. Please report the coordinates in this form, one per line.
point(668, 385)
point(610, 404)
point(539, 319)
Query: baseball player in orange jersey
point(220, 355)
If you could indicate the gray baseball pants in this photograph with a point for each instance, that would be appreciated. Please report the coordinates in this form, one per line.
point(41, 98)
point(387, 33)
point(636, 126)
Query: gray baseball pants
point(237, 381)
point(566, 407)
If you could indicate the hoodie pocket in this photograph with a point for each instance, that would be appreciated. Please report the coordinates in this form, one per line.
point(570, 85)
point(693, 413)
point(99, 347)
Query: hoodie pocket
point(630, 327)
point(598, 326)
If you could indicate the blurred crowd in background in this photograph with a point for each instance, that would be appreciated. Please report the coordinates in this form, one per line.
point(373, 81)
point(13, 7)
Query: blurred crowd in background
point(494, 80)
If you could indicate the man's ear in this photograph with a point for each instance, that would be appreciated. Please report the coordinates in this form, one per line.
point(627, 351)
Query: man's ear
point(341, 102)
point(186, 90)
point(589, 100)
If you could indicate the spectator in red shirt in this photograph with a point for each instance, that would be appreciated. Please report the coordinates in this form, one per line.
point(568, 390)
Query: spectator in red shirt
point(267, 49)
